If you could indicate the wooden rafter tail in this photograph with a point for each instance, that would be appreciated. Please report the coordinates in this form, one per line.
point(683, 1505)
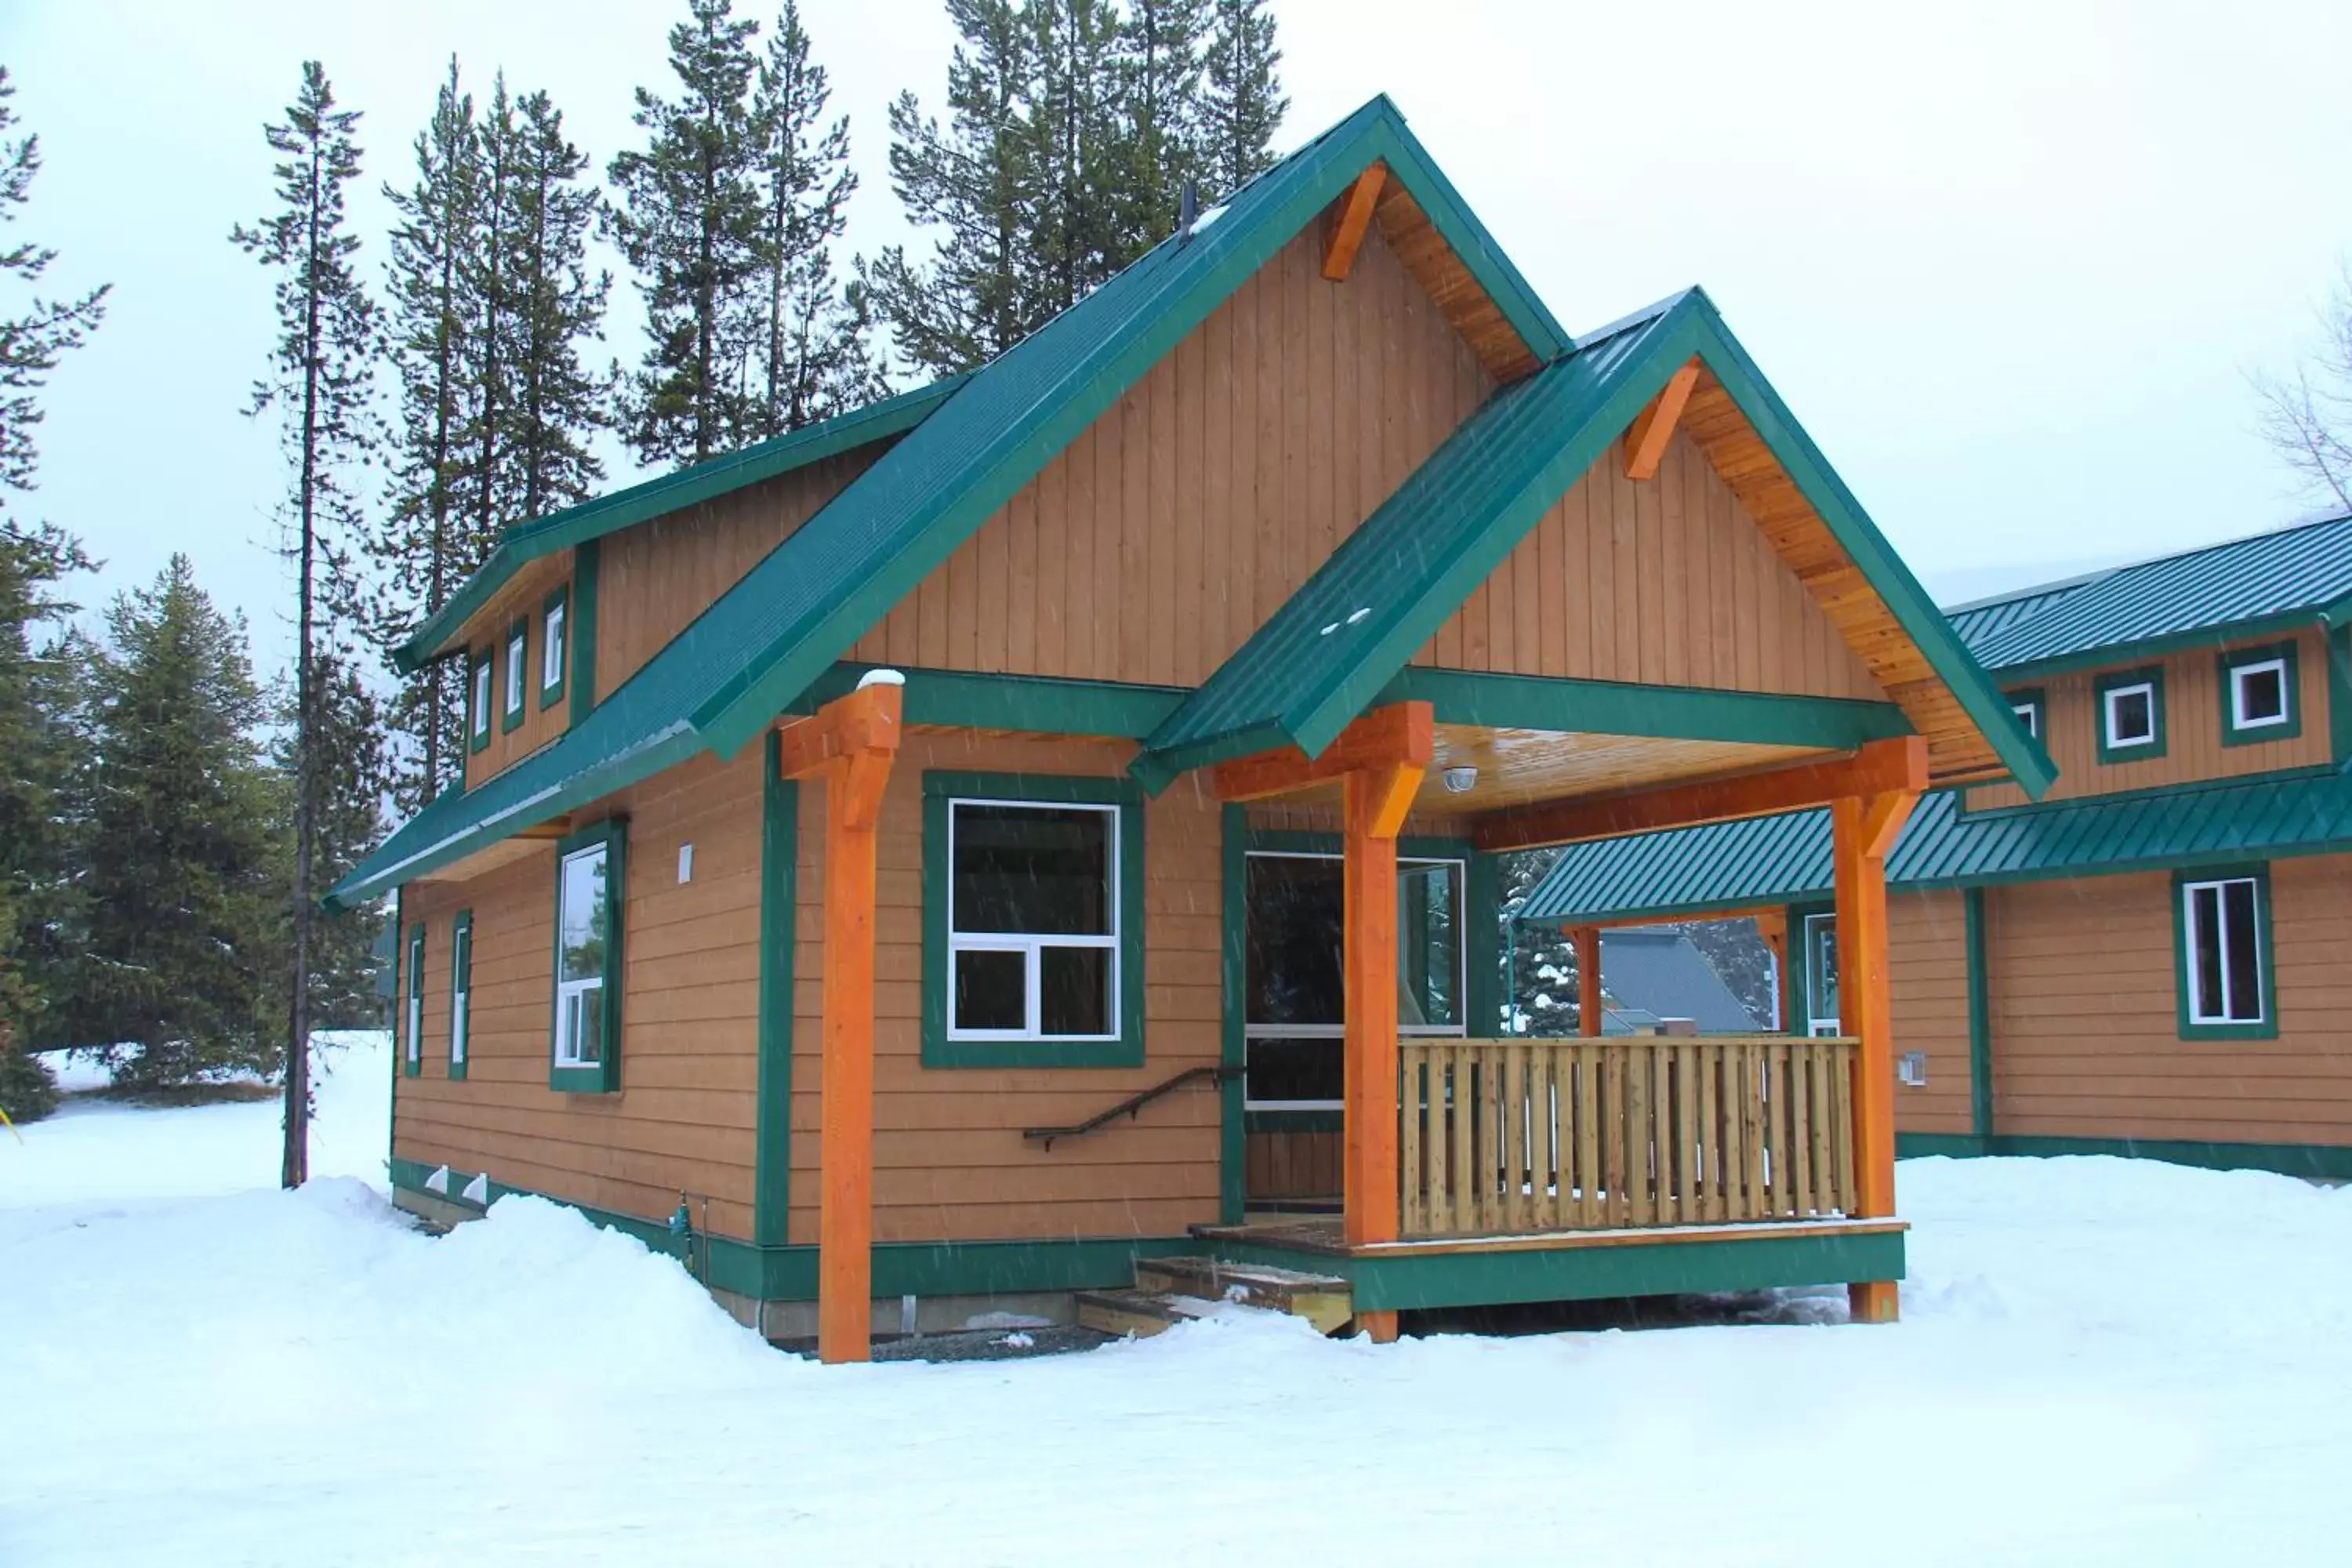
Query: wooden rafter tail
point(864, 723)
point(1355, 222)
point(1645, 440)
point(553, 828)
point(1401, 734)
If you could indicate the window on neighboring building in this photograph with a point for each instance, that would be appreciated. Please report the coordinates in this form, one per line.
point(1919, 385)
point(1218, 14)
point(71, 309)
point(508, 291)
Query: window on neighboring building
point(518, 662)
point(589, 891)
point(2030, 707)
point(461, 992)
point(2258, 695)
point(2131, 715)
point(2225, 961)
point(550, 648)
point(477, 699)
point(412, 1050)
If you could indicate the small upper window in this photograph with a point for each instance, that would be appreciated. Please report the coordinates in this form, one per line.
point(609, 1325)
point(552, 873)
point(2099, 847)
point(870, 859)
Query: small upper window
point(550, 651)
point(2131, 715)
point(518, 655)
point(2028, 706)
point(2222, 944)
point(2259, 699)
point(477, 701)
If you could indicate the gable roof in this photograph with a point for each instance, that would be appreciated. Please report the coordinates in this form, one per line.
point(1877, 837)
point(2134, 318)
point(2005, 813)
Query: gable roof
point(1663, 973)
point(1326, 654)
point(756, 648)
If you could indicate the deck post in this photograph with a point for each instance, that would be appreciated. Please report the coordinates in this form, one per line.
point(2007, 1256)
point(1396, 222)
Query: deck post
point(1587, 981)
point(850, 744)
point(1862, 829)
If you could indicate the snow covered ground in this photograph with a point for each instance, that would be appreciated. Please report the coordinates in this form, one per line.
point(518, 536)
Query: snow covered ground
point(2100, 1361)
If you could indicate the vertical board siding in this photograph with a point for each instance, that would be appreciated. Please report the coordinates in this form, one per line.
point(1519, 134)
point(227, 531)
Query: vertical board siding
point(950, 1162)
point(523, 598)
point(1927, 956)
point(2085, 1039)
point(1162, 538)
point(683, 1120)
point(2193, 697)
point(1668, 582)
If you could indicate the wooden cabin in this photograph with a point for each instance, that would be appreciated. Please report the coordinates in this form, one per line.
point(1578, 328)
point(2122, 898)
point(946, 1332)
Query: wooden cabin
point(2147, 961)
point(954, 855)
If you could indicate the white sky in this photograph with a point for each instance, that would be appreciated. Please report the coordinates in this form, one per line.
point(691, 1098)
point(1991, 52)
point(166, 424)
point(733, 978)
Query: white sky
point(2010, 265)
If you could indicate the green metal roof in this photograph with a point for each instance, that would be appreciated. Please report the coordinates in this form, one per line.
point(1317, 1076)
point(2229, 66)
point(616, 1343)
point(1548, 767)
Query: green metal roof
point(528, 541)
point(1782, 859)
point(1325, 654)
point(748, 656)
point(2243, 587)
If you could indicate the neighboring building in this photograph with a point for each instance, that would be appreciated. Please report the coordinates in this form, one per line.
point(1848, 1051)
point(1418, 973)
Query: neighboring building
point(2150, 960)
point(1664, 975)
point(962, 850)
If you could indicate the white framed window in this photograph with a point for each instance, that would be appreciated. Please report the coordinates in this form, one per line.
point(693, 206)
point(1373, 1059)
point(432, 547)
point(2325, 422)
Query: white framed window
point(2259, 696)
point(412, 1050)
point(517, 654)
point(590, 883)
point(477, 701)
point(550, 646)
point(2129, 714)
point(1823, 1009)
point(2030, 715)
point(461, 992)
point(2222, 942)
point(1034, 910)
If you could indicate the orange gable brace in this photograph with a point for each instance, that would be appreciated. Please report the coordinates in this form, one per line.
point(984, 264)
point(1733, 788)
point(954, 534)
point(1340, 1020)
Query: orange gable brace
point(1645, 440)
point(1897, 766)
point(1355, 222)
point(1400, 735)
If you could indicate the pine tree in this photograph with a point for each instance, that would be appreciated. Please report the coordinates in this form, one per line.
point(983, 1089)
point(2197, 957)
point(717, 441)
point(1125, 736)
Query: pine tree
point(31, 344)
point(320, 381)
point(1161, 56)
point(553, 303)
point(1244, 102)
point(352, 789)
point(689, 224)
point(489, 475)
point(1078, 144)
point(809, 357)
point(975, 179)
point(180, 946)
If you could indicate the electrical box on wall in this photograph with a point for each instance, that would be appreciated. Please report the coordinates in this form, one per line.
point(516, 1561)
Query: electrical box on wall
point(1911, 1070)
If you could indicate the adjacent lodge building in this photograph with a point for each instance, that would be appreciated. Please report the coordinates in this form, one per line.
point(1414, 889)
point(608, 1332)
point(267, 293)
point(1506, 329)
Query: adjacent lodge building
point(992, 846)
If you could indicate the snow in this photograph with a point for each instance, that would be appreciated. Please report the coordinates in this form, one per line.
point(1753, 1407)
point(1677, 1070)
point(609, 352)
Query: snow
point(2101, 1362)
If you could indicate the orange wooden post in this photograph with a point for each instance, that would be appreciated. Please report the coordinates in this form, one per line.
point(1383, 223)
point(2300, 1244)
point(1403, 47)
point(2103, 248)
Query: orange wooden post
point(1862, 829)
point(1587, 981)
point(850, 744)
point(1376, 802)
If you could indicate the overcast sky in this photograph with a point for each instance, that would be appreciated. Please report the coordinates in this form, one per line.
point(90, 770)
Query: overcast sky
point(2010, 265)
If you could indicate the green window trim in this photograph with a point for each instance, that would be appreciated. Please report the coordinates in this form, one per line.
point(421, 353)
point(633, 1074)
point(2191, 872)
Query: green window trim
point(554, 627)
point(481, 691)
point(514, 694)
point(1125, 1049)
point(412, 1015)
point(581, 631)
point(2265, 965)
point(2150, 676)
point(2035, 701)
point(2227, 666)
point(461, 993)
point(603, 1075)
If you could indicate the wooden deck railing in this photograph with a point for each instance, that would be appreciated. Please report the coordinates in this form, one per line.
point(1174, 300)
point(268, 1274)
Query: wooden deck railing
point(1505, 1136)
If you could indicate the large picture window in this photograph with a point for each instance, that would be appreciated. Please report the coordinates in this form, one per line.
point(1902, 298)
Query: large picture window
point(2224, 931)
point(590, 888)
point(1033, 914)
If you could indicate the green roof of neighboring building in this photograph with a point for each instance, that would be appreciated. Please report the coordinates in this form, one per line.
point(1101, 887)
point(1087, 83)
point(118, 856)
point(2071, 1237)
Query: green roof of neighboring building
point(1780, 859)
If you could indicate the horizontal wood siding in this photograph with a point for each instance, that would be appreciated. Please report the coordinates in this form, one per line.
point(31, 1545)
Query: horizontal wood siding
point(1927, 955)
point(1668, 582)
point(523, 598)
point(2192, 725)
point(2086, 1043)
point(1176, 524)
point(683, 1120)
point(949, 1161)
point(655, 578)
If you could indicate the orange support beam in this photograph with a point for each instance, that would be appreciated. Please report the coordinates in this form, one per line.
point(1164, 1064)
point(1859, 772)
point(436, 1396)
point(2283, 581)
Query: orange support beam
point(1402, 732)
point(1376, 802)
point(1646, 439)
point(1587, 981)
point(1897, 766)
point(1355, 222)
point(850, 744)
point(1862, 829)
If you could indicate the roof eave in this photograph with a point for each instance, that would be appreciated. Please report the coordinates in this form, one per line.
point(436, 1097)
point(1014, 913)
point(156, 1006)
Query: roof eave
point(2220, 636)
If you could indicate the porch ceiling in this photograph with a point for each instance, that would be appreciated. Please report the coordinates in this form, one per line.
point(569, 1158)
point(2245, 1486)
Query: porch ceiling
point(1520, 767)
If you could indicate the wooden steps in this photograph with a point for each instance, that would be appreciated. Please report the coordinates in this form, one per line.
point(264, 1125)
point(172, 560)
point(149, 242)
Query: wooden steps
point(1170, 1290)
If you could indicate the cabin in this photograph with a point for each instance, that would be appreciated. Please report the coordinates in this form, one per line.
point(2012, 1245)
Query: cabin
point(978, 850)
point(2149, 960)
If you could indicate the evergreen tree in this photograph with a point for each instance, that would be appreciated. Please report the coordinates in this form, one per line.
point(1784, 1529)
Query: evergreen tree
point(489, 475)
point(689, 224)
point(975, 179)
point(1073, 241)
point(321, 380)
point(1161, 54)
point(180, 943)
point(809, 357)
point(553, 302)
point(30, 343)
point(352, 789)
point(1243, 101)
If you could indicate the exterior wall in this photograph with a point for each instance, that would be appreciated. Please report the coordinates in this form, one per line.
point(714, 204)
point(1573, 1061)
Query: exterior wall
point(683, 1120)
point(655, 578)
point(2085, 1039)
point(2193, 716)
point(1174, 527)
point(1668, 582)
point(1927, 956)
point(524, 598)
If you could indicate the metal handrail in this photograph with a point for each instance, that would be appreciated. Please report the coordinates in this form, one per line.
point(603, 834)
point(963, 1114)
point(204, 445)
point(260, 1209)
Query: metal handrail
point(1132, 1105)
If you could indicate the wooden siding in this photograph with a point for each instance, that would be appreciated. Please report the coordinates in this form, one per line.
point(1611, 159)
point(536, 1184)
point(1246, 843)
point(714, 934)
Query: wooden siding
point(1177, 524)
point(524, 598)
point(1459, 296)
point(683, 1120)
point(2193, 716)
point(949, 1161)
point(655, 578)
point(2086, 1043)
point(1666, 581)
point(1927, 954)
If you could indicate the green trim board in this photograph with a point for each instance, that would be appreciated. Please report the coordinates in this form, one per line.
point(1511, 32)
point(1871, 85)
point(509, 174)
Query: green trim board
point(1980, 1100)
point(2265, 965)
point(412, 1015)
point(603, 1075)
point(2313, 1161)
point(2202, 639)
point(517, 684)
point(940, 788)
point(2226, 665)
point(2337, 642)
point(1038, 704)
point(1486, 983)
point(461, 991)
point(1626, 708)
point(780, 810)
point(586, 562)
point(554, 634)
point(2148, 675)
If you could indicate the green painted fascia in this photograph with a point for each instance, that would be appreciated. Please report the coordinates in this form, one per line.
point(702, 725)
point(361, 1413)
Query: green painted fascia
point(517, 648)
point(2226, 663)
point(461, 980)
point(2313, 1161)
point(780, 799)
point(1156, 770)
point(2145, 649)
point(604, 1078)
point(2147, 751)
point(593, 520)
point(581, 671)
point(2266, 963)
point(1626, 708)
point(556, 607)
point(1981, 1107)
point(1776, 900)
point(2145, 792)
point(938, 1050)
point(1232, 1148)
point(1040, 704)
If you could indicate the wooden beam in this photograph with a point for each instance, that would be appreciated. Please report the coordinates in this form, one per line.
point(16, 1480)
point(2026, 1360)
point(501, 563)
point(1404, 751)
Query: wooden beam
point(1400, 734)
point(1355, 222)
point(1862, 829)
point(1881, 767)
point(1370, 955)
point(1589, 1002)
point(865, 720)
point(553, 828)
point(1646, 439)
